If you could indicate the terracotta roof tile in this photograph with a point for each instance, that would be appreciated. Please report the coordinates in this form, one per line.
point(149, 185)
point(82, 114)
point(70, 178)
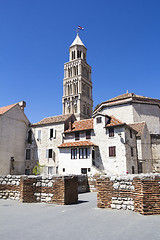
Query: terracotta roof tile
point(138, 127)
point(54, 119)
point(77, 144)
point(6, 108)
point(81, 125)
point(113, 121)
point(130, 95)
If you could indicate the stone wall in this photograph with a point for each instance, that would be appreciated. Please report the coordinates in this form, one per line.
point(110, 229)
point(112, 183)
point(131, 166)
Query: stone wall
point(139, 193)
point(59, 190)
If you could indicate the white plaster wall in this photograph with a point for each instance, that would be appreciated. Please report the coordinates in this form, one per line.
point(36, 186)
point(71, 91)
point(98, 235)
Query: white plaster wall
point(150, 114)
point(122, 112)
point(73, 166)
point(111, 165)
point(13, 129)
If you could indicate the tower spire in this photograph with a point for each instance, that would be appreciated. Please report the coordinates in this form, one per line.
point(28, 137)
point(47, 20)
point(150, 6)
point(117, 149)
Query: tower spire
point(77, 84)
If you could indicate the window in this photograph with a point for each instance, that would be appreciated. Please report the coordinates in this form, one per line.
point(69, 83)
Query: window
point(89, 169)
point(39, 135)
point(140, 169)
point(83, 153)
point(111, 132)
point(29, 140)
point(28, 154)
point(132, 169)
point(76, 135)
point(49, 153)
point(84, 170)
point(112, 151)
point(130, 133)
point(132, 154)
point(63, 169)
point(99, 119)
point(88, 134)
point(74, 153)
point(52, 133)
point(93, 154)
point(37, 153)
point(27, 171)
point(50, 170)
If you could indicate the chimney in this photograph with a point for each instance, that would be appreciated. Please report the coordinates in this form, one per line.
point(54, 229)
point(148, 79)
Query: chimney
point(22, 105)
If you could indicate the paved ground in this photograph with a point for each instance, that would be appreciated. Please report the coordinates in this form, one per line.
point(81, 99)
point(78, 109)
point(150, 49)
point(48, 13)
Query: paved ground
point(22, 221)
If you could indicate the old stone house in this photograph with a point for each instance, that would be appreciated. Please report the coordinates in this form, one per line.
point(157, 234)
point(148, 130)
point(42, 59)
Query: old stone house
point(102, 144)
point(13, 130)
point(42, 141)
point(143, 114)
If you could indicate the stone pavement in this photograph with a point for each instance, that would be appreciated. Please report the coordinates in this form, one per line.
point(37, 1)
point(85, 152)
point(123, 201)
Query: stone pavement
point(41, 221)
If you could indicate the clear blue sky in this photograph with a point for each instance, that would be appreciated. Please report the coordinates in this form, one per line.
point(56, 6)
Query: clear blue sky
point(122, 38)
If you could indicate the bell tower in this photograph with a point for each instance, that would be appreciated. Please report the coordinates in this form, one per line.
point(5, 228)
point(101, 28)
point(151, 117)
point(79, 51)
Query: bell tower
point(77, 84)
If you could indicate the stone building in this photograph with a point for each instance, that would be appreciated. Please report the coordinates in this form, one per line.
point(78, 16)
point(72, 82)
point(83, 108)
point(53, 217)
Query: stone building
point(77, 83)
point(13, 130)
point(42, 141)
point(102, 144)
point(143, 113)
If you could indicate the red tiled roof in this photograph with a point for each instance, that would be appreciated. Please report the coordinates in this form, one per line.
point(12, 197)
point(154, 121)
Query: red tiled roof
point(130, 95)
point(113, 121)
point(81, 125)
point(77, 144)
point(54, 119)
point(6, 108)
point(138, 127)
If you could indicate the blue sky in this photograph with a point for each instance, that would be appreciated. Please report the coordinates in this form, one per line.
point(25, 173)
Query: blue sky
point(122, 38)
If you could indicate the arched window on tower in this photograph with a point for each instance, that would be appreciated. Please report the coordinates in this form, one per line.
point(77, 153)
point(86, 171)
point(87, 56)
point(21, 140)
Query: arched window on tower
point(76, 70)
point(80, 54)
point(84, 56)
point(72, 55)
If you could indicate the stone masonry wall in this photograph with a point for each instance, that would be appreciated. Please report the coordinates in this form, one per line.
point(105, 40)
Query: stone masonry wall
point(139, 193)
point(59, 190)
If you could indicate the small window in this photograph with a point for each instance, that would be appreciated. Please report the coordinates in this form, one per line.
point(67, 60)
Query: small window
point(88, 134)
point(51, 133)
point(50, 170)
point(130, 133)
point(74, 153)
point(76, 135)
point(132, 169)
point(27, 171)
point(39, 135)
point(28, 154)
point(132, 154)
point(83, 153)
point(93, 154)
point(29, 140)
point(50, 153)
point(63, 169)
point(112, 151)
point(99, 119)
point(84, 170)
point(89, 169)
point(140, 169)
point(111, 132)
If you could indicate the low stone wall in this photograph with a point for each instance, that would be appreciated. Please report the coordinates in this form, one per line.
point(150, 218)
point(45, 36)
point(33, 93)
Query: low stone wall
point(139, 193)
point(59, 190)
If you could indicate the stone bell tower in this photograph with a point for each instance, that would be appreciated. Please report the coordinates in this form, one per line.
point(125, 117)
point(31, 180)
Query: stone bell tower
point(77, 84)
